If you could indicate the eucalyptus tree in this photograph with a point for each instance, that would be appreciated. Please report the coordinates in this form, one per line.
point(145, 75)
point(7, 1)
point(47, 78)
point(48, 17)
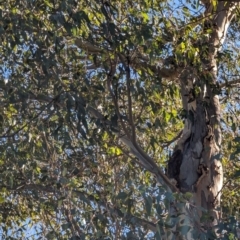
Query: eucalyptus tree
point(118, 119)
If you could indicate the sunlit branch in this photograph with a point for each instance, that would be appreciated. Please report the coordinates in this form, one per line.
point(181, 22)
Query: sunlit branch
point(146, 160)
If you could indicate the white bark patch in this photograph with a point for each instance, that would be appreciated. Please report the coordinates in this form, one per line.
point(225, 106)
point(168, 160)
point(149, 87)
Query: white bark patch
point(217, 184)
point(186, 134)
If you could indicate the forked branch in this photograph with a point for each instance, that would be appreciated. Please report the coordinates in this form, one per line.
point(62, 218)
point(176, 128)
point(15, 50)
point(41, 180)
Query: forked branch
point(137, 151)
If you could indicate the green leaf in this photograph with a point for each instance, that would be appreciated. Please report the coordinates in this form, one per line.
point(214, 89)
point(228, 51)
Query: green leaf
point(122, 195)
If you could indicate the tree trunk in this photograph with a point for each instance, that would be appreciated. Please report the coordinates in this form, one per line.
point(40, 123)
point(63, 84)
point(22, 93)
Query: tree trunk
point(198, 168)
point(195, 163)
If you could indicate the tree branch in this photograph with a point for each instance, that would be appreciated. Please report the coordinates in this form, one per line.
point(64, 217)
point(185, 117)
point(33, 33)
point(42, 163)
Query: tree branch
point(222, 19)
point(142, 222)
point(133, 137)
point(109, 80)
point(146, 160)
point(88, 47)
point(140, 61)
point(163, 72)
point(168, 143)
point(230, 83)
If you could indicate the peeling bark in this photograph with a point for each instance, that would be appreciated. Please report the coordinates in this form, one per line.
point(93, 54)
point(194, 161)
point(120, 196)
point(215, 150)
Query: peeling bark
point(196, 156)
point(194, 164)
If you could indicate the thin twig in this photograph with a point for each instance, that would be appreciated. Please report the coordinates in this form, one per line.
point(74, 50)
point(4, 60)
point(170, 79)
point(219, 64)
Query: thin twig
point(133, 137)
point(166, 144)
point(6, 135)
point(230, 83)
point(109, 79)
point(224, 185)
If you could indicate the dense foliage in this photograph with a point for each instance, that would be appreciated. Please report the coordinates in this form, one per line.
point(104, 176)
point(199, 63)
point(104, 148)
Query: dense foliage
point(74, 76)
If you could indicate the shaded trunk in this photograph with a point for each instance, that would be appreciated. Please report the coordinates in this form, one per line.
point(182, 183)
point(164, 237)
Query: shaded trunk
point(195, 163)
